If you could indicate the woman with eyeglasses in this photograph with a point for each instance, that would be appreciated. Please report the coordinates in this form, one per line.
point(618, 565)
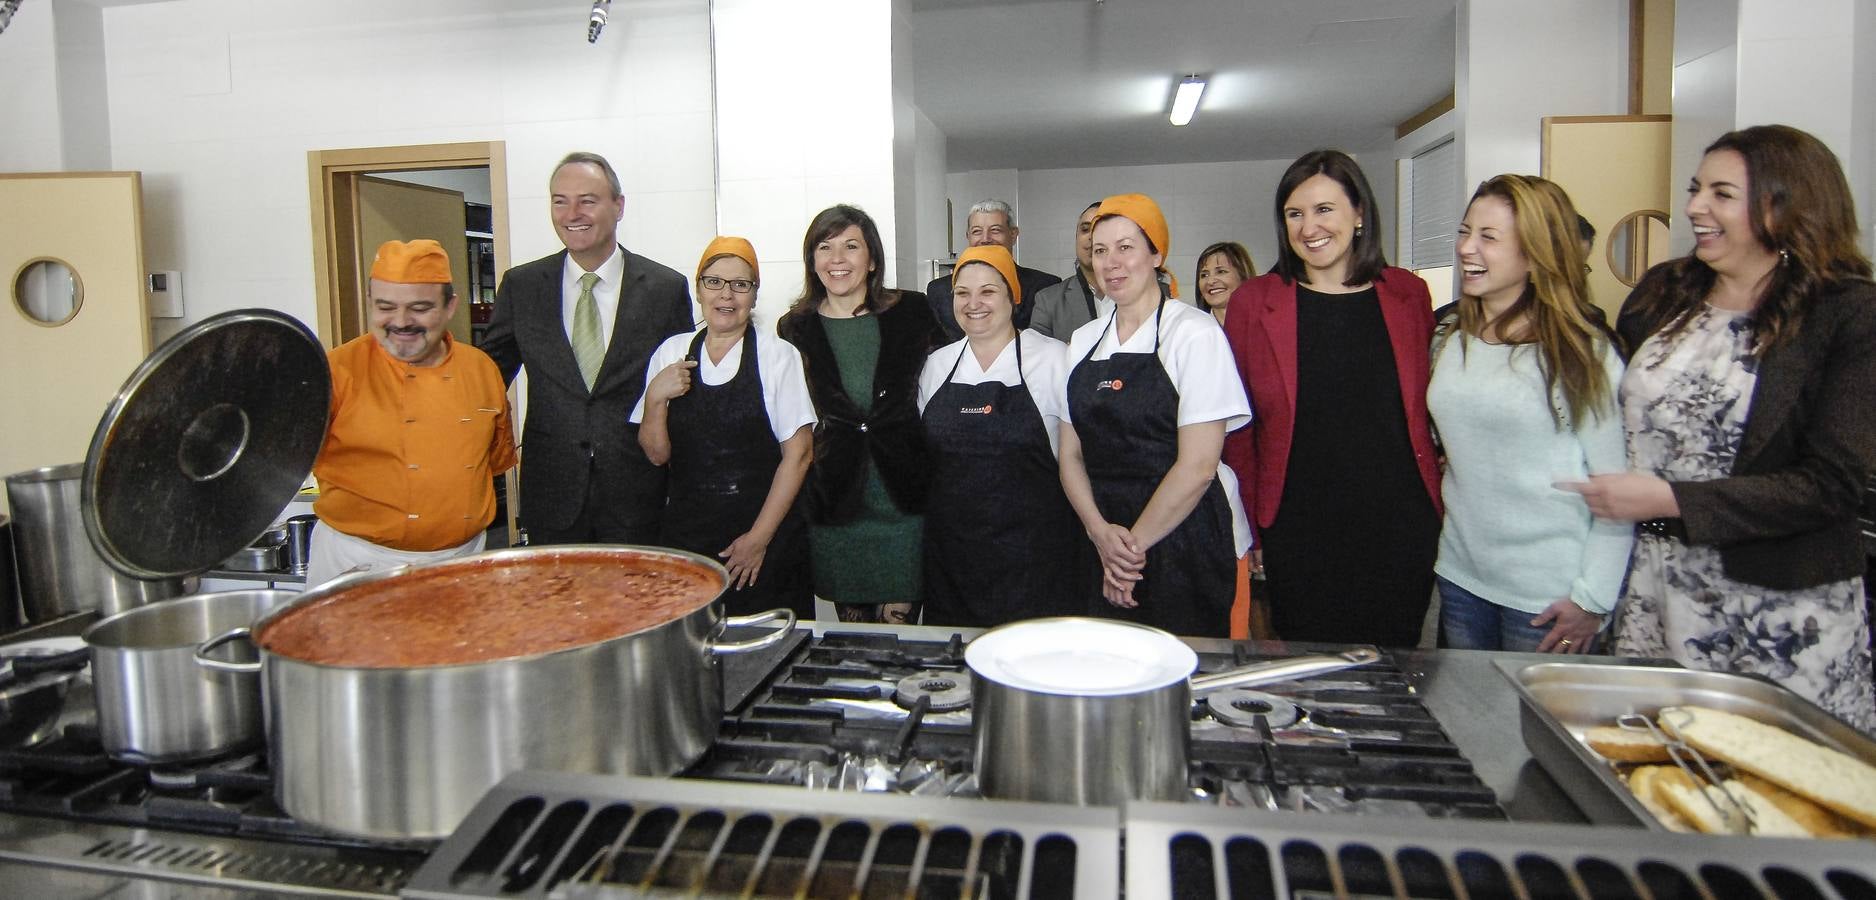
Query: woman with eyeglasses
point(728, 411)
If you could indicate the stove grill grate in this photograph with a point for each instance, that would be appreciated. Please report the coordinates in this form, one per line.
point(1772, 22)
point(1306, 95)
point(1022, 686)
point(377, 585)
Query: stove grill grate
point(1180, 851)
point(575, 837)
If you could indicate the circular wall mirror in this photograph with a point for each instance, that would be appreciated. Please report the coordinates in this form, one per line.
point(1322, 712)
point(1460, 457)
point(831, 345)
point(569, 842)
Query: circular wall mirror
point(1636, 242)
point(47, 291)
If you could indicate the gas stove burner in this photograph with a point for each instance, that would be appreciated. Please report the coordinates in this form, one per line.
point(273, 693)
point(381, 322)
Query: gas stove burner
point(946, 690)
point(1241, 708)
point(174, 779)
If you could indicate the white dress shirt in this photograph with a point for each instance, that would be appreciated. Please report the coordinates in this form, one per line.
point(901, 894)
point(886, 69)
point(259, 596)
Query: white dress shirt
point(605, 292)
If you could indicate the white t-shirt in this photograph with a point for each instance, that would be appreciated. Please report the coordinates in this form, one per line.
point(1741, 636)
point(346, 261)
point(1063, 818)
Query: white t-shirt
point(1045, 375)
point(605, 292)
point(1197, 359)
point(784, 386)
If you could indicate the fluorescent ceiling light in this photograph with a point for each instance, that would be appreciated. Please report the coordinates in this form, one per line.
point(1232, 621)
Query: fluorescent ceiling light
point(1186, 101)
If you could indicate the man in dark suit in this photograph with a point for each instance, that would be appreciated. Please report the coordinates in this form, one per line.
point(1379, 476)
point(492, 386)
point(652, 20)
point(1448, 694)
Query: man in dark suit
point(583, 322)
point(989, 222)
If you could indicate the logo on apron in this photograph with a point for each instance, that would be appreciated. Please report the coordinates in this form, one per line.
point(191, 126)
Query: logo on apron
point(983, 410)
point(1112, 384)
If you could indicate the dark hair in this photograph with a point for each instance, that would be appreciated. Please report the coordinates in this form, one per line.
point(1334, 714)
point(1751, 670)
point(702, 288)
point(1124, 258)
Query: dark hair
point(1585, 232)
point(591, 159)
point(1084, 210)
point(827, 223)
point(1234, 251)
point(1800, 206)
point(1365, 259)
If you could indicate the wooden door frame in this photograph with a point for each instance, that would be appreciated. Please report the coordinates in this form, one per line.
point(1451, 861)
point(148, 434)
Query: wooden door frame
point(331, 176)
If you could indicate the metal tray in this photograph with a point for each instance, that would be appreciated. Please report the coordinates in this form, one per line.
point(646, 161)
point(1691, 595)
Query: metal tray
point(1560, 701)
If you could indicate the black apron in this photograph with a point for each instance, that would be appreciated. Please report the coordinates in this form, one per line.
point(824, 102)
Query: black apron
point(1001, 541)
point(1126, 413)
point(723, 459)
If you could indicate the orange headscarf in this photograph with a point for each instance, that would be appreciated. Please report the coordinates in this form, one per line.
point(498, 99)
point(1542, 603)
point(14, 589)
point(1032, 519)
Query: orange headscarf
point(1142, 211)
point(997, 257)
point(731, 246)
point(418, 262)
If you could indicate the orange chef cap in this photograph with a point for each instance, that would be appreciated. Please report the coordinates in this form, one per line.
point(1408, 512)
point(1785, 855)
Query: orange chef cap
point(1142, 211)
point(418, 262)
point(740, 248)
point(996, 257)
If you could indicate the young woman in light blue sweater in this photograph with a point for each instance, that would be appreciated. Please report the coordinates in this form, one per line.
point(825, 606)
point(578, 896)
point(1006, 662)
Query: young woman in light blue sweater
point(1523, 396)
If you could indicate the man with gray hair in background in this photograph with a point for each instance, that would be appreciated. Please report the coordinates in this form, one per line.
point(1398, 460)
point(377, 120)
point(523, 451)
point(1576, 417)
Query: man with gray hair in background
point(989, 222)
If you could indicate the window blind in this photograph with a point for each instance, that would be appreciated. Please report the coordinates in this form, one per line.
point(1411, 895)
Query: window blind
point(1435, 206)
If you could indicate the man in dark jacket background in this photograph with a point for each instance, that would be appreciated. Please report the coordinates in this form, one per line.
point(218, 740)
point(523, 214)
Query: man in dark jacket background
point(989, 222)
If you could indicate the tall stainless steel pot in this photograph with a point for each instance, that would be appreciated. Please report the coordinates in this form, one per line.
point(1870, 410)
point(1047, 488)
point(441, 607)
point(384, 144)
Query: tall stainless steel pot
point(155, 704)
point(60, 571)
point(1095, 712)
point(406, 752)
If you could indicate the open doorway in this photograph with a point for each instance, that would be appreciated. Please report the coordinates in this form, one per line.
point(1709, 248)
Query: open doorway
point(455, 194)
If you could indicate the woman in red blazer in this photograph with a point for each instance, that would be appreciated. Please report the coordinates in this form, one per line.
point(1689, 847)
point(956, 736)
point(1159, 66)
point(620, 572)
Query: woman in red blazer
point(1337, 471)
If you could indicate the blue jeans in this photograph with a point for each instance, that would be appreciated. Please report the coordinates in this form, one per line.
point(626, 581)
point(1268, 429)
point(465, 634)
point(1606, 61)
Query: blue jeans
point(1471, 622)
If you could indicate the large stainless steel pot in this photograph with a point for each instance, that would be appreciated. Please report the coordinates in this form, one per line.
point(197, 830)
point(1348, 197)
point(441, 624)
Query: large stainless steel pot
point(406, 752)
point(60, 571)
point(1111, 702)
point(155, 704)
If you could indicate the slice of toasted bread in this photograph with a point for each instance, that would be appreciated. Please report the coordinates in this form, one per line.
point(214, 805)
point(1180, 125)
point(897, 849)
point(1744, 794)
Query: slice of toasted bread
point(1625, 745)
point(1817, 820)
point(1834, 780)
point(1645, 783)
point(1710, 811)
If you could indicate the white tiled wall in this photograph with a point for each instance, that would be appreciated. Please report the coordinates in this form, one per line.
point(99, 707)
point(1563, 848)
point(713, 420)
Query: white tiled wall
point(30, 108)
point(218, 102)
point(800, 132)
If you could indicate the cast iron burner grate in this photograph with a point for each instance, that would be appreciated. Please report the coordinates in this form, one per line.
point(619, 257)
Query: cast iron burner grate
point(71, 777)
point(835, 717)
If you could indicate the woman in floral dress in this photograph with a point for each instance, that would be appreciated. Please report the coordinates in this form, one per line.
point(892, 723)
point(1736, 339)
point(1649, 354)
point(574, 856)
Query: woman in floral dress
point(1751, 431)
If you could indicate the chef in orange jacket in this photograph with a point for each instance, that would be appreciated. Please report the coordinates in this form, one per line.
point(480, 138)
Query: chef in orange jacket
point(418, 430)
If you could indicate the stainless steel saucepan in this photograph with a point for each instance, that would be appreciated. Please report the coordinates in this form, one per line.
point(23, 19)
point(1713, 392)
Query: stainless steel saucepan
point(1111, 700)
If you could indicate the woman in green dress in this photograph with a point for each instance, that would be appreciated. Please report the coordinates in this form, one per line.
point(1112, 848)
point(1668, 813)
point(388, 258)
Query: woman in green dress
point(862, 347)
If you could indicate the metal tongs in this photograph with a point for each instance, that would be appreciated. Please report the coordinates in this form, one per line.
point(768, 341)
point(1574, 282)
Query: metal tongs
point(1689, 760)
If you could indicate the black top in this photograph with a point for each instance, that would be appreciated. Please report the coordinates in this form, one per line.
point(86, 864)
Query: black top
point(883, 428)
point(1350, 555)
point(1350, 446)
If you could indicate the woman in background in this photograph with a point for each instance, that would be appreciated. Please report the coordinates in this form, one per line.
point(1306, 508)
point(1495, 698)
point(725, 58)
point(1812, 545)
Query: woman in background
point(1001, 542)
point(728, 411)
point(862, 346)
point(1523, 395)
point(1150, 398)
point(1222, 267)
point(1750, 429)
point(1338, 470)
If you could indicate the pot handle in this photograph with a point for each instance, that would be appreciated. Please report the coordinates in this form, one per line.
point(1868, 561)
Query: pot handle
point(1284, 670)
point(221, 665)
point(767, 640)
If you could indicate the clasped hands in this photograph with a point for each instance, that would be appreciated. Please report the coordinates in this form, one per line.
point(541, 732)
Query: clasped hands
point(1123, 560)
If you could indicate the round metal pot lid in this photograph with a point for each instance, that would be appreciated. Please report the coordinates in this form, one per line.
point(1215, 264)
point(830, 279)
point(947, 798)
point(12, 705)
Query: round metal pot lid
point(205, 443)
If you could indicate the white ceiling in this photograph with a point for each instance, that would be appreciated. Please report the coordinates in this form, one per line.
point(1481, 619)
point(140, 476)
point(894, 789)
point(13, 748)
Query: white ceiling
point(1032, 84)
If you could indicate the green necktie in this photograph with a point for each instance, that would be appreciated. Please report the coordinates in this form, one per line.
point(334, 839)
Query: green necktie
point(588, 350)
